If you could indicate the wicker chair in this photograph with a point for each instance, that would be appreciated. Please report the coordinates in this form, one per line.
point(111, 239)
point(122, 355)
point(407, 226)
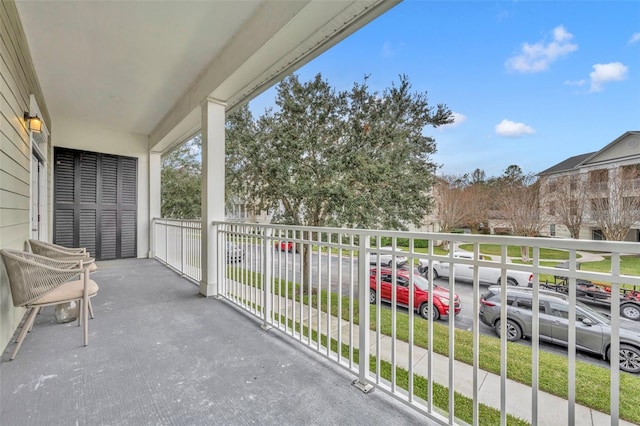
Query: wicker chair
point(55, 251)
point(38, 281)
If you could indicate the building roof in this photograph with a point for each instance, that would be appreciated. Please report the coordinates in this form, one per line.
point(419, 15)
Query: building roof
point(568, 164)
point(632, 138)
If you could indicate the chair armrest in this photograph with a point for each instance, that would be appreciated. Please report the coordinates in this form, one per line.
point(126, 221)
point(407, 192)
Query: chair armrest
point(53, 250)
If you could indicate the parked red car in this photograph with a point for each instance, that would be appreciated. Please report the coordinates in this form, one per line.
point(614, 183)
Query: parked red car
point(285, 246)
point(421, 295)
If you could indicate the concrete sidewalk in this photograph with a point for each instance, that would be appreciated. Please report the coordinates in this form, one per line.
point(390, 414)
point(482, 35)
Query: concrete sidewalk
point(552, 410)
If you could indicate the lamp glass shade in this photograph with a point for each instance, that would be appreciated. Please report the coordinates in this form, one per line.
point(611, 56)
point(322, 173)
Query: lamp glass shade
point(35, 125)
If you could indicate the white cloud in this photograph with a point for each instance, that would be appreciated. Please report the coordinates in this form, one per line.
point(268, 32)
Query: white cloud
point(511, 129)
point(537, 57)
point(387, 50)
point(634, 38)
point(575, 83)
point(604, 73)
point(502, 16)
point(458, 119)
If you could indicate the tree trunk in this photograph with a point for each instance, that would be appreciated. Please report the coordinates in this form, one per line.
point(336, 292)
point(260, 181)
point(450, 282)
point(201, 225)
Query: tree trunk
point(306, 254)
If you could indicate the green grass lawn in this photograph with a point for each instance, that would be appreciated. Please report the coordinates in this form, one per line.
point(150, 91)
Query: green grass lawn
point(592, 382)
point(514, 251)
point(463, 406)
point(629, 265)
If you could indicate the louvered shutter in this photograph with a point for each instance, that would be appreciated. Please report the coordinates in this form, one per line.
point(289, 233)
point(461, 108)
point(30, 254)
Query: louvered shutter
point(109, 207)
point(64, 184)
point(96, 203)
point(88, 201)
point(128, 222)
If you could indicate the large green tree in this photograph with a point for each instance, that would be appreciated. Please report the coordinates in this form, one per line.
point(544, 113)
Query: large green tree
point(180, 181)
point(322, 157)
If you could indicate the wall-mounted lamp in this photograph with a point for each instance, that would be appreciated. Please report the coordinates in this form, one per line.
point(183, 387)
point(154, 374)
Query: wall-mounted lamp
point(34, 123)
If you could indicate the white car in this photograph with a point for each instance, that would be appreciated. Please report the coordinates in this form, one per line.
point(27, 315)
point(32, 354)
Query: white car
point(386, 259)
point(235, 253)
point(487, 275)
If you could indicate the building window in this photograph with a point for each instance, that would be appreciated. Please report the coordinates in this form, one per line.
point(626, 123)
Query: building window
point(552, 230)
point(599, 207)
point(573, 208)
point(631, 177)
point(631, 172)
point(597, 235)
point(598, 179)
point(573, 183)
point(552, 208)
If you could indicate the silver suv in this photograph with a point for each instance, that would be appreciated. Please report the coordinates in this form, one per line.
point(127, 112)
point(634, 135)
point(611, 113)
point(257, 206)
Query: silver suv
point(593, 330)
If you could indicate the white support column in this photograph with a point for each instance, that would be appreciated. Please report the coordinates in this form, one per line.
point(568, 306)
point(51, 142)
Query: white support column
point(155, 168)
point(213, 119)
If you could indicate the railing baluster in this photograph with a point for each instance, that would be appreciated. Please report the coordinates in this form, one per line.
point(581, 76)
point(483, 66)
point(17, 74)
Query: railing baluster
point(452, 285)
point(503, 336)
point(615, 339)
point(476, 335)
point(430, 333)
point(267, 279)
point(411, 312)
point(329, 293)
point(319, 290)
point(572, 341)
point(535, 340)
point(363, 306)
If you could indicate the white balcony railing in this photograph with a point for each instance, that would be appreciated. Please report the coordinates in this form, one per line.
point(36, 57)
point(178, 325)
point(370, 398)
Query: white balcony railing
point(177, 244)
point(318, 294)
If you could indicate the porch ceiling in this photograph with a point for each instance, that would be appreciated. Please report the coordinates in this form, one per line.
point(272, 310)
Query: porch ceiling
point(145, 67)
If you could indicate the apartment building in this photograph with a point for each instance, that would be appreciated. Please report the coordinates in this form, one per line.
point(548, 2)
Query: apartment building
point(589, 195)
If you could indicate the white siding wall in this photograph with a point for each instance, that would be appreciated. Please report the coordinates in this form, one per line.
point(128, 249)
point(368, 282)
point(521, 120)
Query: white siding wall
point(83, 136)
point(17, 82)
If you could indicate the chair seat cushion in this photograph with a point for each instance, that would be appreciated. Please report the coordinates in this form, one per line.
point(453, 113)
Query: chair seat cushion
point(93, 267)
point(67, 291)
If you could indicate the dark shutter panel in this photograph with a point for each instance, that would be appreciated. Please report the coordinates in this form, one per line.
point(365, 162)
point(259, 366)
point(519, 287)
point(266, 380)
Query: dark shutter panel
point(109, 180)
point(88, 227)
point(88, 201)
point(64, 215)
point(108, 234)
point(64, 177)
point(88, 178)
point(129, 180)
point(128, 225)
point(128, 239)
point(64, 227)
point(96, 203)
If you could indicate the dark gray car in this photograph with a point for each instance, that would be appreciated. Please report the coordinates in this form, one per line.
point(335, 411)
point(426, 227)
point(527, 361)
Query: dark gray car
point(593, 330)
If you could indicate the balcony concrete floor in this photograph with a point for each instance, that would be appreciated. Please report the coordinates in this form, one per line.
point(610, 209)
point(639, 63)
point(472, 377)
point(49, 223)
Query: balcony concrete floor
point(160, 354)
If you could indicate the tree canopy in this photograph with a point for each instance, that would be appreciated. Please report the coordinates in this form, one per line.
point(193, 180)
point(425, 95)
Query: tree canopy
point(357, 158)
point(180, 177)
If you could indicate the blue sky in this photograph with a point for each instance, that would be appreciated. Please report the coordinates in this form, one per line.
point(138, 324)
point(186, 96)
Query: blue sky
point(530, 82)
